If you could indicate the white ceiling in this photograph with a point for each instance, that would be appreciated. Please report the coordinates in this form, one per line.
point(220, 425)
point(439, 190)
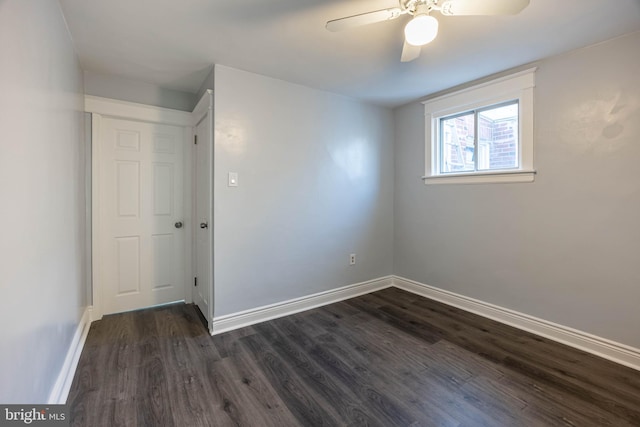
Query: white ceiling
point(173, 43)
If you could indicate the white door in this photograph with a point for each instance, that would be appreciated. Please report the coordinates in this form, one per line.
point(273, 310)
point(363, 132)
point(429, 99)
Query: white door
point(204, 226)
point(141, 236)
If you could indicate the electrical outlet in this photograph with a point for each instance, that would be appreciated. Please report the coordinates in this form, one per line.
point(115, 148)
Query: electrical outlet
point(352, 259)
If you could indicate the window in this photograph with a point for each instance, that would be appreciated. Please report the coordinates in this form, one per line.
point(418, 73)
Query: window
point(482, 134)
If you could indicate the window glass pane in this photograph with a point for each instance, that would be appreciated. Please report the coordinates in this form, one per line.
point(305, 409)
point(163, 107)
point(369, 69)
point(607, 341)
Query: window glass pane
point(457, 143)
point(498, 137)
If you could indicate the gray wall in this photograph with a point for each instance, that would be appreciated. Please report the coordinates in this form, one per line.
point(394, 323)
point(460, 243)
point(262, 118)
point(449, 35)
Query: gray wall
point(565, 248)
point(42, 257)
point(124, 89)
point(316, 184)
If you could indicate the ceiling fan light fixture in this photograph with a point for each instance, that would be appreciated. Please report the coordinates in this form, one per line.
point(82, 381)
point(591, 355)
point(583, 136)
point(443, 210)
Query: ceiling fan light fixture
point(421, 30)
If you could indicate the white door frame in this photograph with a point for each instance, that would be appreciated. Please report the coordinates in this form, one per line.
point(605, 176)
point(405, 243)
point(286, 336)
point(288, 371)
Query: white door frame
point(105, 107)
point(203, 111)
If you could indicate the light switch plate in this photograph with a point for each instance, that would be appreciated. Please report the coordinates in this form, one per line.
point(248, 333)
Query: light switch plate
point(233, 179)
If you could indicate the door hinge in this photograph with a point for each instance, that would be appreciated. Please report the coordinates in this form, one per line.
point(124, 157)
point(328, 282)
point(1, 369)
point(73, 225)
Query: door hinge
point(195, 281)
point(195, 139)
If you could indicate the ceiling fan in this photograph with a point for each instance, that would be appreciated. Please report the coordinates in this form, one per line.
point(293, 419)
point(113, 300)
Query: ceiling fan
point(423, 27)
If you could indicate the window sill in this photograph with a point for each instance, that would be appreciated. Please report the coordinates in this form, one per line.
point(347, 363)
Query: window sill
point(482, 177)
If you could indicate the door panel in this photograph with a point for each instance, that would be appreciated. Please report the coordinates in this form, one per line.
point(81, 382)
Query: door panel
point(128, 191)
point(163, 249)
point(204, 259)
point(163, 176)
point(141, 199)
point(128, 265)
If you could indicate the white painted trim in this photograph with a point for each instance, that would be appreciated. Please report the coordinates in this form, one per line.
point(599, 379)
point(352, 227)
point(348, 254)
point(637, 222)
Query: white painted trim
point(481, 92)
point(96, 271)
point(88, 193)
point(203, 107)
point(189, 196)
point(481, 178)
point(273, 311)
point(133, 111)
point(607, 349)
point(60, 391)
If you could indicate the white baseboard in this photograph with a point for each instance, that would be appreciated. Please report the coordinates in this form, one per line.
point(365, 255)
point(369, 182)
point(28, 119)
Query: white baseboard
point(60, 391)
point(611, 350)
point(268, 312)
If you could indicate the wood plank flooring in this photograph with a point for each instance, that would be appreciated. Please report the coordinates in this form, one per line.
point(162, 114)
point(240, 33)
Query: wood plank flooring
point(389, 358)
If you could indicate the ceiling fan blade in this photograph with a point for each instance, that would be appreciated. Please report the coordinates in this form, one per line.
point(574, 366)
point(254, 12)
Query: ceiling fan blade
point(409, 52)
point(363, 19)
point(482, 7)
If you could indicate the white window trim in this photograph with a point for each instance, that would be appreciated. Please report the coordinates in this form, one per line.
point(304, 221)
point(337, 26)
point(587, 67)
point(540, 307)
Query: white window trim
point(515, 86)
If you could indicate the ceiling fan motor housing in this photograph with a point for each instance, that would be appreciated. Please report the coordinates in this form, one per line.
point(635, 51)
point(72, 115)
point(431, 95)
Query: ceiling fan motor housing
point(419, 7)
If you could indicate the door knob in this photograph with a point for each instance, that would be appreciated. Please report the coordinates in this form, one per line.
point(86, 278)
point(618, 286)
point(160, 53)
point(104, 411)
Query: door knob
point(204, 225)
point(178, 224)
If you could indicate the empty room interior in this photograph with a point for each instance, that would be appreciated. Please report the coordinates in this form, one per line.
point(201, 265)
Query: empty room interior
point(320, 212)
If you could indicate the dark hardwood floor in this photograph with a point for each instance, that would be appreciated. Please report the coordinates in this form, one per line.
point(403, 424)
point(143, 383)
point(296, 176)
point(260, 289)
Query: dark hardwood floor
point(389, 358)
